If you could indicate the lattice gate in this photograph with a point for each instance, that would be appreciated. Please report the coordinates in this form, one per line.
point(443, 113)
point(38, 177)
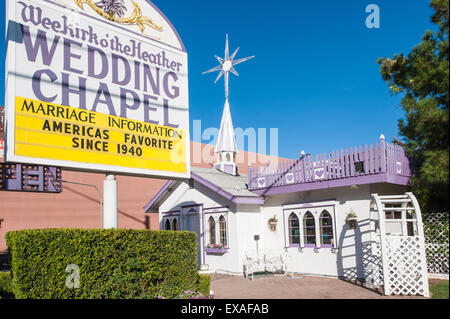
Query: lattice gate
point(403, 268)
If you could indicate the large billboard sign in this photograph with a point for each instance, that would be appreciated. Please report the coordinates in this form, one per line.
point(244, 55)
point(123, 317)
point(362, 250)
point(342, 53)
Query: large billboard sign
point(96, 86)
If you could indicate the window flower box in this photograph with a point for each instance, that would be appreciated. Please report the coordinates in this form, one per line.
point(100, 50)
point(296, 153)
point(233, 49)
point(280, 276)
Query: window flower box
point(216, 249)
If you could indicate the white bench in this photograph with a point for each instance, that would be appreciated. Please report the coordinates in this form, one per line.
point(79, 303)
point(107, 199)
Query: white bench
point(263, 261)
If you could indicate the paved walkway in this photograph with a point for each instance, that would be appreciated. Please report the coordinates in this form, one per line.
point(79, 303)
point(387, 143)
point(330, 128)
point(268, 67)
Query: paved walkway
point(282, 287)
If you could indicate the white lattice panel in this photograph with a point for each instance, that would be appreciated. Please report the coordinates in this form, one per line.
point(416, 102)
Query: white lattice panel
point(436, 242)
point(406, 261)
point(375, 265)
point(437, 258)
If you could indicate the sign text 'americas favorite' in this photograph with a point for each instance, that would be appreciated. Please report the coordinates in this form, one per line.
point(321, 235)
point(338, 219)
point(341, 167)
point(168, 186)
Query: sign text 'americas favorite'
point(96, 86)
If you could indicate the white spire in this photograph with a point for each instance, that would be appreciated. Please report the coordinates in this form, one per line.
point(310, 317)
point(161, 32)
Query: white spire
point(226, 141)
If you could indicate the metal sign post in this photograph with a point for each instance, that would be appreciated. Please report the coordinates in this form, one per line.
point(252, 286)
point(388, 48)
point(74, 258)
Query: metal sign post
point(110, 216)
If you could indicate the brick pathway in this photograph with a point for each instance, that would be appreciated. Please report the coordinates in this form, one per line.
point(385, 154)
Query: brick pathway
point(281, 287)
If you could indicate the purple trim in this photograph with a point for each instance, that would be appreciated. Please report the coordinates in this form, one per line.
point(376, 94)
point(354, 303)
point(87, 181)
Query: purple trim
point(309, 246)
point(326, 246)
point(357, 180)
point(216, 250)
point(233, 198)
point(294, 245)
point(159, 194)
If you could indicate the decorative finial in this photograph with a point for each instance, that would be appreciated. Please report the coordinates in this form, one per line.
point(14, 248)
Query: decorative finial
point(227, 65)
point(382, 137)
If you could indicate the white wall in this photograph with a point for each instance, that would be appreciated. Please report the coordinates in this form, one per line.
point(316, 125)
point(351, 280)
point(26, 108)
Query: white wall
point(354, 246)
point(183, 195)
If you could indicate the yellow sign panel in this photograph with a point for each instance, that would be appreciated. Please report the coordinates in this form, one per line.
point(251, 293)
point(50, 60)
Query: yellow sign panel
point(50, 131)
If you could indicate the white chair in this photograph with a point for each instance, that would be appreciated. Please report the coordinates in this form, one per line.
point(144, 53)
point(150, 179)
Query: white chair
point(252, 263)
point(273, 261)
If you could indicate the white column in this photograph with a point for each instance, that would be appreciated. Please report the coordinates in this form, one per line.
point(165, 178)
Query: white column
point(110, 202)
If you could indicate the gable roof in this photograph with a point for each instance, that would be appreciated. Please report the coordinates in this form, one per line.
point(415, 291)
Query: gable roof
point(234, 185)
point(233, 188)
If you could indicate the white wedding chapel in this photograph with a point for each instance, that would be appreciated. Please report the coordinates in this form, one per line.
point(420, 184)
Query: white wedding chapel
point(345, 214)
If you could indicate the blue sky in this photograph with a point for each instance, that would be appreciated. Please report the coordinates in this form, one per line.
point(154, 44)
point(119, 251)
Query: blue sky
point(315, 75)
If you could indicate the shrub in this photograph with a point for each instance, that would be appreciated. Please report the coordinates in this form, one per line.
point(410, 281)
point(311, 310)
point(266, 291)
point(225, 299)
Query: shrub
point(204, 284)
point(111, 263)
point(6, 290)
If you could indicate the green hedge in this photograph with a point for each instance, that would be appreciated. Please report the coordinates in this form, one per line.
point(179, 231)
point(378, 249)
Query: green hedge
point(204, 284)
point(6, 290)
point(112, 263)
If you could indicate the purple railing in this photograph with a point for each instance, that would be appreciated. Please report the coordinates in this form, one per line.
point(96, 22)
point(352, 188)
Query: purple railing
point(372, 159)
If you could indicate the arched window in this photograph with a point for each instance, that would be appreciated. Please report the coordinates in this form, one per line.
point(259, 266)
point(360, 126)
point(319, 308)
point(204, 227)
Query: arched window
point(294, 229)
point(174, 224)
point(326, 228)
point(309, 229)
point(212, 230)
point(223, 231)
point(167, 227)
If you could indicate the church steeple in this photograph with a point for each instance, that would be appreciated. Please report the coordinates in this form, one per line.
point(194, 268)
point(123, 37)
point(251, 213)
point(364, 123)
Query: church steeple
point(226, 143)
